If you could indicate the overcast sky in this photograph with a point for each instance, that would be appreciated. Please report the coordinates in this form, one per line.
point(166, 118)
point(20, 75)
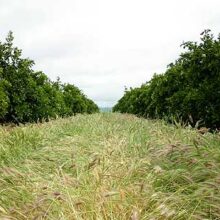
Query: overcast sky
point(103, 45)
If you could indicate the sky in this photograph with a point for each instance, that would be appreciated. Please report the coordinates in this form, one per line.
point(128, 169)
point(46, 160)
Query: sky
point(101, 46)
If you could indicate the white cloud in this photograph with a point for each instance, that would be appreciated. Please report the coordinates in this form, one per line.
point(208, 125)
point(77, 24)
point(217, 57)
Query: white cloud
point(102, 45)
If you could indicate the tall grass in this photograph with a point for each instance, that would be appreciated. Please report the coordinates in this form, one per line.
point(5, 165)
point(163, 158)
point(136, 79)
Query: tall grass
point(108, 166)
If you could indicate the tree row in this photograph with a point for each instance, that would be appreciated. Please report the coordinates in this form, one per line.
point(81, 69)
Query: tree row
point(30, 96)
point(188, 91)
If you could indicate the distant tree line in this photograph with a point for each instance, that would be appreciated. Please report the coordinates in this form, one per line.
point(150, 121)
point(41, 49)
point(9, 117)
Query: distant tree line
point(28, 96)
point(189, 90)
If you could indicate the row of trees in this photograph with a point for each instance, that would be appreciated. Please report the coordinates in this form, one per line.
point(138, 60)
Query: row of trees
point(29, 96)
point(189, 90)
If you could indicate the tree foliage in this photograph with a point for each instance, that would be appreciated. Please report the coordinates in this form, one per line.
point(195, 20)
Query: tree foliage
point(28, 96)
point(189, 89)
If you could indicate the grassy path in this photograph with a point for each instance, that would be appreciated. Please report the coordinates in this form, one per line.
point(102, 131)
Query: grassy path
point(108, 166)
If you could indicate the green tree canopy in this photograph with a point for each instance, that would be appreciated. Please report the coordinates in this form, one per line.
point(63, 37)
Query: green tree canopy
point(27, 95)
point(189, 89)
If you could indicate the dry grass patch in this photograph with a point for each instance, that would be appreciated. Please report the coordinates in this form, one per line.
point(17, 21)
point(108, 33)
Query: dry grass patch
point(108, 166)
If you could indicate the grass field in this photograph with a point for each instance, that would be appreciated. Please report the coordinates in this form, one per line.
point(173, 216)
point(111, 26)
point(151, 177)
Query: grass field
point(108, 166)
